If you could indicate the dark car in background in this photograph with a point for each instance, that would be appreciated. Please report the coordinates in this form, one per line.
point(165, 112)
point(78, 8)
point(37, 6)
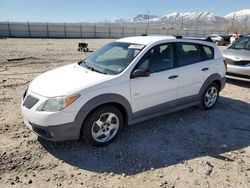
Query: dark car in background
point(237, 57)
point(227, 38)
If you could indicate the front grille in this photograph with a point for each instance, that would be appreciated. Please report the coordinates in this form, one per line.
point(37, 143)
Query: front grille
point(239, 63)
point(30, 101)
point(242, 63)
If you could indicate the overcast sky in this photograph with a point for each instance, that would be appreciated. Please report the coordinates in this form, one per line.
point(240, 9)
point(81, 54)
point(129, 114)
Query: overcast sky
point(101, 10)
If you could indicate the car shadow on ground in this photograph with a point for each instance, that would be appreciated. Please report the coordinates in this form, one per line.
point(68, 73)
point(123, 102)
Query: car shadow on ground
point(238, 83)
point(164, 141)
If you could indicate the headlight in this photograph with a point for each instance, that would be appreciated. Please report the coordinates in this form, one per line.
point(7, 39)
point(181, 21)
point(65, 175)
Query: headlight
point(59, 103)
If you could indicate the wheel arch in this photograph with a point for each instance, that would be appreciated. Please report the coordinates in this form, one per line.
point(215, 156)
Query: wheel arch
point(218, 83)
point(214, 78)
point(118, 106)
point(120, 102)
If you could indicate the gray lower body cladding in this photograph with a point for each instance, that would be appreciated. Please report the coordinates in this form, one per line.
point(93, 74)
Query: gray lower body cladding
point(69, 131)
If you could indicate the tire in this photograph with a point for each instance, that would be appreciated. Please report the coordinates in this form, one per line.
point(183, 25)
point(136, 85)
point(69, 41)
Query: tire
point(102, 126)
point(210, 97)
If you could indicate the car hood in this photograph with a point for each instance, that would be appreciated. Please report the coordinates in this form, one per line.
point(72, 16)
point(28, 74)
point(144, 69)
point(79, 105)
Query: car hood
point(65, 80)
point(237, 55)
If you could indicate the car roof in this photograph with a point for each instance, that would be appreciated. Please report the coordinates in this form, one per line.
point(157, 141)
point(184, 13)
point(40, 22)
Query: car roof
point(145, 40)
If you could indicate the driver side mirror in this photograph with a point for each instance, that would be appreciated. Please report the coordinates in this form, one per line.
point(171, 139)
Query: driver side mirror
point(140, 73)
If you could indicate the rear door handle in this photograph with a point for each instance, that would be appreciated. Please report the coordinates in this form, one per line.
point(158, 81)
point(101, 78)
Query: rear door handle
point(205, 69)
point(172, 77)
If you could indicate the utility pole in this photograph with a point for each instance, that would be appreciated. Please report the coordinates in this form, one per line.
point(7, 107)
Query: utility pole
point(28, 24)
point(147, 24)
point(166, 23)
point(148, 20)
point(233, 23)
point(65, 31)
point(81, 29)
point(122, 29)
point(182, 22)
point(9, 28)
point(109, 30)
point(246, 19)
point(48, 29)
point(197, 24)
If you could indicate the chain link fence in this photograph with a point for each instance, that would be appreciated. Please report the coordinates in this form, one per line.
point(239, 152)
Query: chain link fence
point(98, 30)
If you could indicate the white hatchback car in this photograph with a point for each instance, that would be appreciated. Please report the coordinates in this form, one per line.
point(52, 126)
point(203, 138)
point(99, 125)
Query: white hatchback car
point(125, 82)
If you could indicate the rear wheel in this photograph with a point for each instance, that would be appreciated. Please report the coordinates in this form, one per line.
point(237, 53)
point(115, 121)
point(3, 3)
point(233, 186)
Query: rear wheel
point(103, 126)
point(210, 96)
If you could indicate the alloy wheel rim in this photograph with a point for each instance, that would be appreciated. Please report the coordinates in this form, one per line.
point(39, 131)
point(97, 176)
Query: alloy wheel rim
point(105, 128)
point(211, 96)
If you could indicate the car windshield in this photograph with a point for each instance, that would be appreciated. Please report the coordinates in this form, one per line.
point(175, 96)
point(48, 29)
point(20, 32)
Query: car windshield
point(112, 58)
point(243, 43)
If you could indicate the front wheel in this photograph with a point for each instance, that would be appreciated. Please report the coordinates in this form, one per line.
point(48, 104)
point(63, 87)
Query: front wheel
point(210, 97)
point(102, 126)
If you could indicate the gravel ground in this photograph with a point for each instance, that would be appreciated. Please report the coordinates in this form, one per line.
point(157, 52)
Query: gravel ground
point(189, 148)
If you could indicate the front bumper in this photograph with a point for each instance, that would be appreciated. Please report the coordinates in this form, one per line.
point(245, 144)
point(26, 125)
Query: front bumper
point(54, 126)
point(238, 72)
point(69, 131)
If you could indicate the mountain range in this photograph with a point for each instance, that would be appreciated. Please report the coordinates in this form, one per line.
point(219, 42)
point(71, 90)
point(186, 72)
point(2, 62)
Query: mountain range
point(242, 16)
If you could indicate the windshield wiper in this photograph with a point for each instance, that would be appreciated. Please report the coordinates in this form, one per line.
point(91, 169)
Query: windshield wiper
point(93, 69)
point(87, 66)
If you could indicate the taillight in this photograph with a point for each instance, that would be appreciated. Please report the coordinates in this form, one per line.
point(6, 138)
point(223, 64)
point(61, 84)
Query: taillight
point(225, 64)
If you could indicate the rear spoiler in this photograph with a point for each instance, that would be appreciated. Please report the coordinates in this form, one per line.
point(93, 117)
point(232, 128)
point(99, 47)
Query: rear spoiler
point(208, 39)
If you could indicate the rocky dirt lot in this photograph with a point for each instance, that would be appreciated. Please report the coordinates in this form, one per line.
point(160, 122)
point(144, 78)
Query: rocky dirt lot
point(189, 148)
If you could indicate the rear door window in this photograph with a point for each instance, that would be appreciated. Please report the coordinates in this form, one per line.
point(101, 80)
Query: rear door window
point(188, 53)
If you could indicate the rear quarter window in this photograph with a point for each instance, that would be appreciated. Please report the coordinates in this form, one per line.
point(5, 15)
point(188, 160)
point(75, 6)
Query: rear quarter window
point(208, 52)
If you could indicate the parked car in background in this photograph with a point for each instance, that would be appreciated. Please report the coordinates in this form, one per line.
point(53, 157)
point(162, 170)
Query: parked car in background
point(238, 59)
point(230, 38)
point(125, 82)
point(226, 39)
point(217, 39)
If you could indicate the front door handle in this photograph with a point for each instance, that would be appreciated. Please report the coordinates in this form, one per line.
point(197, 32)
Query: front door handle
point(205, 69)
point(172, 77)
